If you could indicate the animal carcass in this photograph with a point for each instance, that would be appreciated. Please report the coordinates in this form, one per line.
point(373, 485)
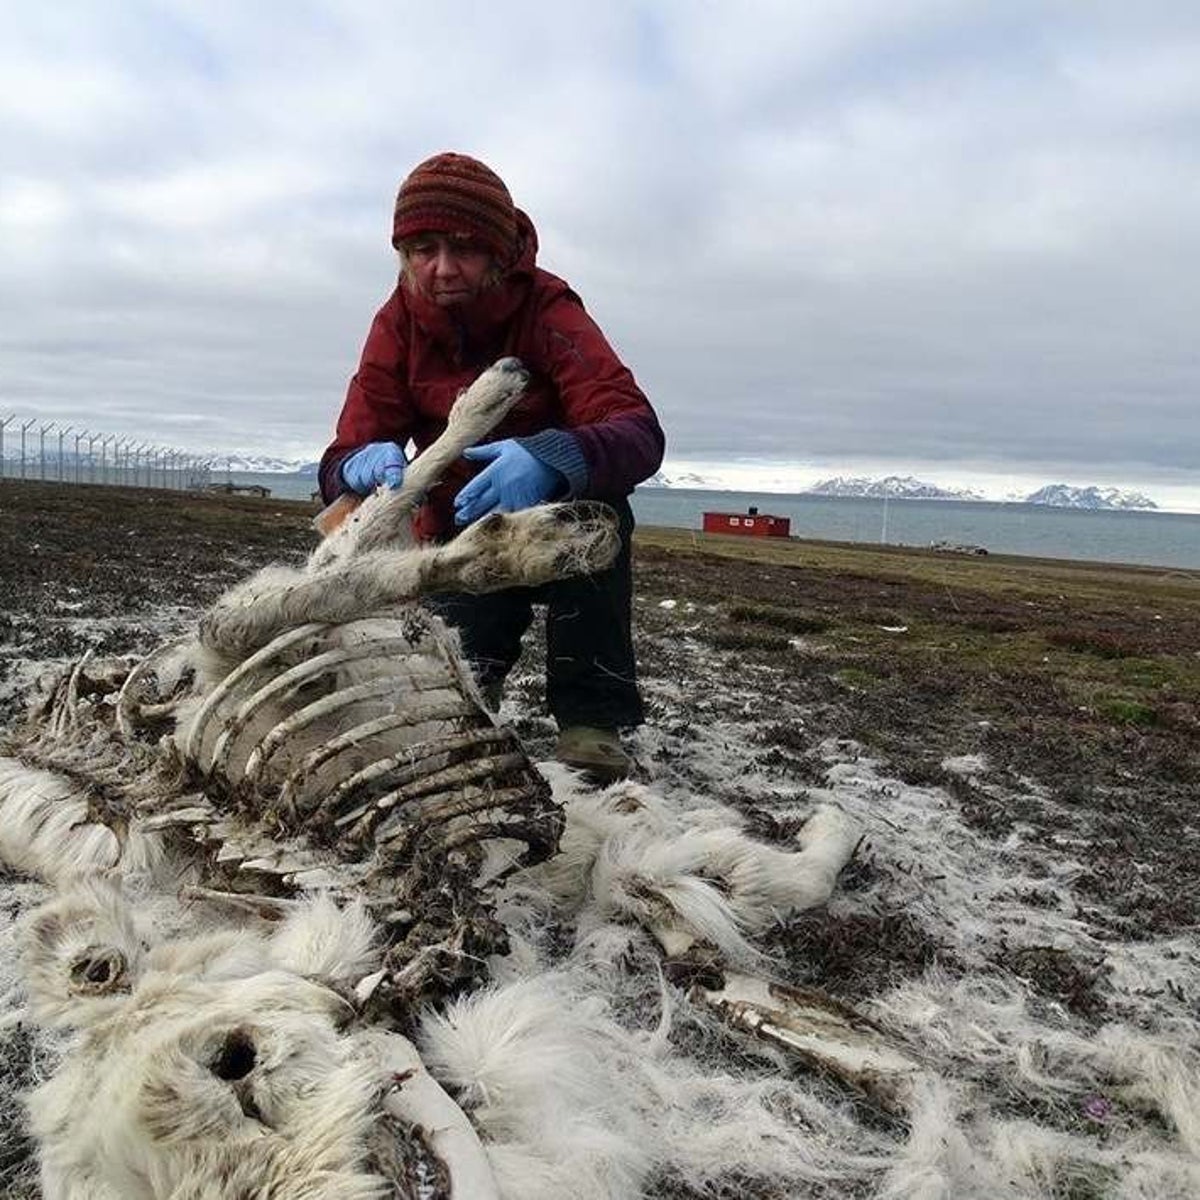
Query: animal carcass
point(315, 775)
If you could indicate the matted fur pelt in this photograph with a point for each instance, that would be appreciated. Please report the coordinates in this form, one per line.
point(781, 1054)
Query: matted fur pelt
point(286, 844)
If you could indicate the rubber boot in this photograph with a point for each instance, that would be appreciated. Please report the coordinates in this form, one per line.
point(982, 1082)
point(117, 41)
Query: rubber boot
point(596, 752)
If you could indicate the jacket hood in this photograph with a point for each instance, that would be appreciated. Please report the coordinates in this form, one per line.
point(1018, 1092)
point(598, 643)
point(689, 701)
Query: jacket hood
point(527, 247)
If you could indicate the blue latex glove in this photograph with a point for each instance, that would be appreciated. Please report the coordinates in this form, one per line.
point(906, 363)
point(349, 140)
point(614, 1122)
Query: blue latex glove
point(516, 479)
point(376, 463)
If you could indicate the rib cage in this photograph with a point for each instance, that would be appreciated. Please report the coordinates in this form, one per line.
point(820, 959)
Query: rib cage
point(419, 799)
point(414, 756)
point(329, 735)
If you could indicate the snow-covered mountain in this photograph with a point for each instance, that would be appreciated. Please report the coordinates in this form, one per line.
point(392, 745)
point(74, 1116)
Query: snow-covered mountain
point(683, 479)
point(892, 487)
point(1063, 495)
point(770, 478)
point(260, 464)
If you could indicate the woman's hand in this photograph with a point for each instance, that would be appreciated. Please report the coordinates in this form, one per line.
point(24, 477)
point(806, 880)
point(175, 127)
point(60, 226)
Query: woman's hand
point(376, 463)
point(515, 480)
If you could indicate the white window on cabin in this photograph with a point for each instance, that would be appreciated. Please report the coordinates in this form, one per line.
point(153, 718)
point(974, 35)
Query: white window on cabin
point(735, 520)
point(749, 522)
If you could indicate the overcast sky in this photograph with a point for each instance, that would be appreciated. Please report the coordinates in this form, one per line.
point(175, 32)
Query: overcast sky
point(955, 239)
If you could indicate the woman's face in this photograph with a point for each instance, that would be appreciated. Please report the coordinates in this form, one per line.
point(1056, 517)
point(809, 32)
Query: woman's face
point(447, 268)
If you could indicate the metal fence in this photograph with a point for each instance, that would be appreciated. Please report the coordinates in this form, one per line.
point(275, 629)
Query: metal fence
point(89, 456)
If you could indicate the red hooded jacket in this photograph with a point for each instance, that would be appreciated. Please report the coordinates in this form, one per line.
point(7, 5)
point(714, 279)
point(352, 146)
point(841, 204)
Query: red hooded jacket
point(581, 413)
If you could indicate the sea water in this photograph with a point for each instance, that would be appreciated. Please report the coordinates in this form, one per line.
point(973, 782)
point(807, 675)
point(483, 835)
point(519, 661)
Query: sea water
point(1149, 538)
point(1146, 537)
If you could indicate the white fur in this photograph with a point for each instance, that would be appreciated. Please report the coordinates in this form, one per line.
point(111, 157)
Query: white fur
point(687, 872)
point(82, 952)
point(530, 1063)
point(44, 827)
point(323, 941)
point(138, 1109)
point(141, 1107)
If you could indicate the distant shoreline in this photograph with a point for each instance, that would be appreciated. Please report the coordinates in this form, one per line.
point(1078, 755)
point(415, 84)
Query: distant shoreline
point(1156, 508)
point(310, 480)
point(1118, 535)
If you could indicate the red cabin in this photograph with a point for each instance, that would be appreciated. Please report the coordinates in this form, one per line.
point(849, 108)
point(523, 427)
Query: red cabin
point(749, 524)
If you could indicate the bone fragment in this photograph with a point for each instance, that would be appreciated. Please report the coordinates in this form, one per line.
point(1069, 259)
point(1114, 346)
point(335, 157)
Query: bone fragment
point(127, 707)
point(417, 1099)
point(287, 639)
point(826, 1033)
point(271, 908)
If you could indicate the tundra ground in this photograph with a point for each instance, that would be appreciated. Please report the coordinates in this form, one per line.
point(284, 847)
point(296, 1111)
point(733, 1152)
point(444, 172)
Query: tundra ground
point(1048, 710)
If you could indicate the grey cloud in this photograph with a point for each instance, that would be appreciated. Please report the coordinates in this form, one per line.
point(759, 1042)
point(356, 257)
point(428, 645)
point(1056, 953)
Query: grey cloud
point(887, 229)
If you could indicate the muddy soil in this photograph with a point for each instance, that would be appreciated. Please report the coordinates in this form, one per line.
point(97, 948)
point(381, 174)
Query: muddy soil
point(88, 567)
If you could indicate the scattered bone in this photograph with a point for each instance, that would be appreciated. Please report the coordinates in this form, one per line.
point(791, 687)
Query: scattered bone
point(824, 1032)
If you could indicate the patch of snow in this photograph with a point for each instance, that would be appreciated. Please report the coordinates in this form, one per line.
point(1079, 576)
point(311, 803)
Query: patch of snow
point(965, 765)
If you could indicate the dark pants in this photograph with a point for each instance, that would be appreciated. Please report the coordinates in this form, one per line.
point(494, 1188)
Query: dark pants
point(590, 670)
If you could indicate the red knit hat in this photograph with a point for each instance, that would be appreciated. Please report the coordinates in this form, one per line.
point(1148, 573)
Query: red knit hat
point(454, 193)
